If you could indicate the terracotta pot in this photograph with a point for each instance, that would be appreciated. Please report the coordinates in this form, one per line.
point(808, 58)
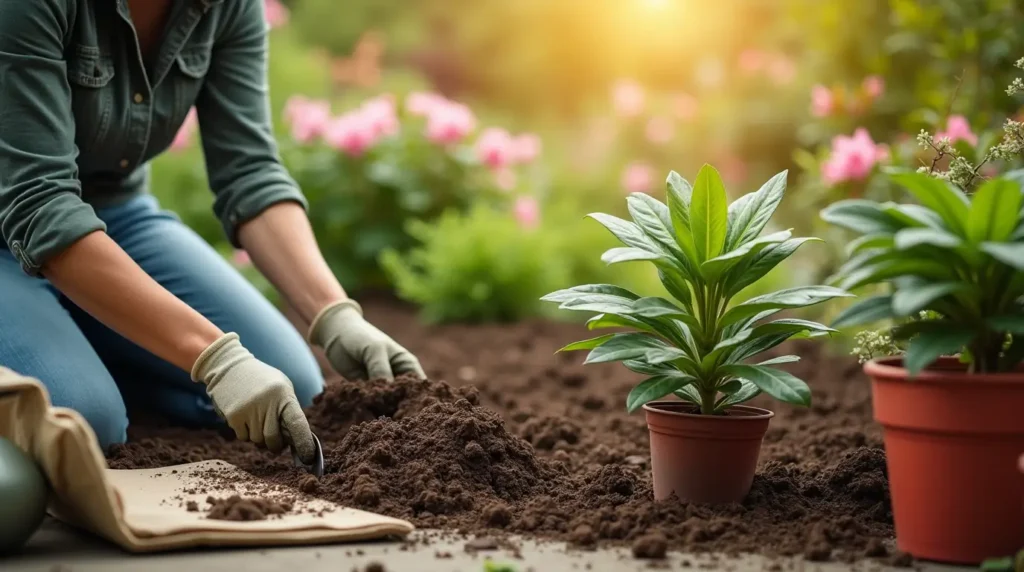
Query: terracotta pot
point(704, 458)
point(952, 441)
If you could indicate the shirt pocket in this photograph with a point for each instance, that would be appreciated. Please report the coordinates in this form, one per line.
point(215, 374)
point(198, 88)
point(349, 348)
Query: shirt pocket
point(190, 68)
point(92, 98)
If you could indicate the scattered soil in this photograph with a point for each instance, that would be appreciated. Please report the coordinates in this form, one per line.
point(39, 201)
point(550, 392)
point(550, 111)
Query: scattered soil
point(237, 508)
point(519, 439)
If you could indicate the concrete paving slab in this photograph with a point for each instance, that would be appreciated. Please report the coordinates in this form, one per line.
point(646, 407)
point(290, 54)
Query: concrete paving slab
point(59, 548)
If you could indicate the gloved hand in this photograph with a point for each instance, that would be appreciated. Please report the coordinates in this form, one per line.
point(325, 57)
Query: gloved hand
point(257, 401)
point(357, 349)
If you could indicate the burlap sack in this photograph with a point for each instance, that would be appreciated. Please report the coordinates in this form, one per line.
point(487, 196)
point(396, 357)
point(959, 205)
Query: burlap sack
point(143, 511)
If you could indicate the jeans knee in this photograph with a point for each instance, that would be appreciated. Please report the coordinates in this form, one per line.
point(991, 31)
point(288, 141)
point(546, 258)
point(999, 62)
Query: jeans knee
point(307, 379)
point(109, 423)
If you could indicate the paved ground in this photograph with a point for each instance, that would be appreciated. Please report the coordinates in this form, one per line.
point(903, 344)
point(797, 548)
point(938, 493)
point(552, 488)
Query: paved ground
point(57, 548)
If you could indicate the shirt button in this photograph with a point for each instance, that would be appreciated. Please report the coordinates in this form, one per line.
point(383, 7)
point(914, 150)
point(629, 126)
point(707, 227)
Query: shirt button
point(124, 163)
point(138, 98)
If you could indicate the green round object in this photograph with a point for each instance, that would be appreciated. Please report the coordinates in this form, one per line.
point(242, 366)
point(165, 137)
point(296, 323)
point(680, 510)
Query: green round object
point(23, 495)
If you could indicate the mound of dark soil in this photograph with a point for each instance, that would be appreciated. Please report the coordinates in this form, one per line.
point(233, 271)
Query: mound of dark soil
point(244, 509)
point(520, 439)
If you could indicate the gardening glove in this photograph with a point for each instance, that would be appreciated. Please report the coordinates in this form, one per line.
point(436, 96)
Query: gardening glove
point(357, 349)
point(256, 400)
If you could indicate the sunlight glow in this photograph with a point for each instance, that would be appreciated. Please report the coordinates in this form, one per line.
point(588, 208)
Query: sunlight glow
point(656, 4)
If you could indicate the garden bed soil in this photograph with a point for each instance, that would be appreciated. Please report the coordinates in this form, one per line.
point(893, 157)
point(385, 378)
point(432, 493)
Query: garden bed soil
point(510, 437)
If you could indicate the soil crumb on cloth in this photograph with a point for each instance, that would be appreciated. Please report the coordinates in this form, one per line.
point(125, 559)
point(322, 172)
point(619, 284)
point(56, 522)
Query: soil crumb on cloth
point(236, 508)
point(535, 443)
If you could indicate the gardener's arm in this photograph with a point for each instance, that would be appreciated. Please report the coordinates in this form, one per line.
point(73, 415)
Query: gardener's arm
point(53, 233)
point(262, 209)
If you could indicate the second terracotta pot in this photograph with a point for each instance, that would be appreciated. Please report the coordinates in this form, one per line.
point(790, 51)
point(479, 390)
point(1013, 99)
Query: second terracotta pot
point(704, 458)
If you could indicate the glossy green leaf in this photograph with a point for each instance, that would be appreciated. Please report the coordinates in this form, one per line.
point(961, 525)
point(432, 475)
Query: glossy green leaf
point(679, 196)
point(869, 242)
point(865, 311)
point(688, 393)
point(624, 347)
point(676, 286)
point(781, 385)
point(708, 213)
point(898, 267)
point(758, 345)
point(861, 216)
point(718, 265)
point(911, 237)
point(912, 215)
point(602, 303)
point(587, 344)
point(642, 367)
point(629, 254)
point(723, 347)
point(779, 360)
point(928, 346)
point(1009, 253)
point(655, 356)
point(749, 272)
point(654, 220)
point(947, 201)
point(908, 301)
point(788, 298)
point(654, 388)
point(629, 233)
point(655, 307)
point(750, 213)
point(612, 321)
point(995, 211)
point(1013, 324)
point(746, 392)
point(576, 291)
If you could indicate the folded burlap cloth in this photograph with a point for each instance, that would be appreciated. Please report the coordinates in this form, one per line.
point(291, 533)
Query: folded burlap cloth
point(145, 510)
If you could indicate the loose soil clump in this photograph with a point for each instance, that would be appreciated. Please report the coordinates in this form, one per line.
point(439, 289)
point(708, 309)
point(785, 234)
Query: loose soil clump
point(237, 508)
point(518, 439)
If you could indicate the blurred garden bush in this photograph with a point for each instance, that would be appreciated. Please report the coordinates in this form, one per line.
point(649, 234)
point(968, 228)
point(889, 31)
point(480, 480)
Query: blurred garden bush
point(385, 113)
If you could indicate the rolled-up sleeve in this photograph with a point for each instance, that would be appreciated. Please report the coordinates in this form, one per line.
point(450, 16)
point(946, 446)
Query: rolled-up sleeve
point(41, 209)
point(243, 162)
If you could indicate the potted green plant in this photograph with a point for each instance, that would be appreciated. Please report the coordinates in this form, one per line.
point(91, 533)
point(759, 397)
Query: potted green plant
point(701, 346)
point(950, 274)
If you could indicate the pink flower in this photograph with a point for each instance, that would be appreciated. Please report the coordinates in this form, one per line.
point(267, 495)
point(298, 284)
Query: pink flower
point(852, 158)
point(685, 106)
point(506, 179)
point(240, 258)
point(275, 12)
point(782, 70)
point(822, 101)
point(526, 148)
point(449, 122)
point(494, 148)
point(958, 129)
point(874, 86)
point(752, 60)
point(628, 98)
point(660, 130)
point(183, 139)
point(380, 113)
point(527, 212)
point(352, 133)
point(308, 117)
point(422, 103)
point(638, 178)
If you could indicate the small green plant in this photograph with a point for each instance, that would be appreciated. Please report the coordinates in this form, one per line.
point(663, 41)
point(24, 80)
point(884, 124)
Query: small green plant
point(960, 259)
point(698, 346)
point(480, 266)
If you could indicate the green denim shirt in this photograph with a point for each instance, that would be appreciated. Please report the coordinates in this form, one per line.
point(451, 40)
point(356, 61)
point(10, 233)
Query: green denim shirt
point(82, 113)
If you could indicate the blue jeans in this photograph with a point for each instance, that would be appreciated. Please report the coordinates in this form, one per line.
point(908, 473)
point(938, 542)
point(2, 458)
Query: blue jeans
point(95, 371)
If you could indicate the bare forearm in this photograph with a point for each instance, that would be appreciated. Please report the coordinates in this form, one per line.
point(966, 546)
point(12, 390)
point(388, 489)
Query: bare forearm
point(100, 277)
point(281, 243)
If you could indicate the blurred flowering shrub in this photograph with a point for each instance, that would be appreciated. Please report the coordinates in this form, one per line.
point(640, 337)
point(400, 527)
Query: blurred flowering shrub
point(369, 170)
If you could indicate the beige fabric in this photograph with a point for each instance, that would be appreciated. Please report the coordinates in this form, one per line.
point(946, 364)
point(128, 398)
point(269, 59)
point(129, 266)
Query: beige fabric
point(138, 510)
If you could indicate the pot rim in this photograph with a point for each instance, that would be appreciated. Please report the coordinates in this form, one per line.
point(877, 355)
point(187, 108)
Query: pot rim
point(759, 414)
point(950, 371)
